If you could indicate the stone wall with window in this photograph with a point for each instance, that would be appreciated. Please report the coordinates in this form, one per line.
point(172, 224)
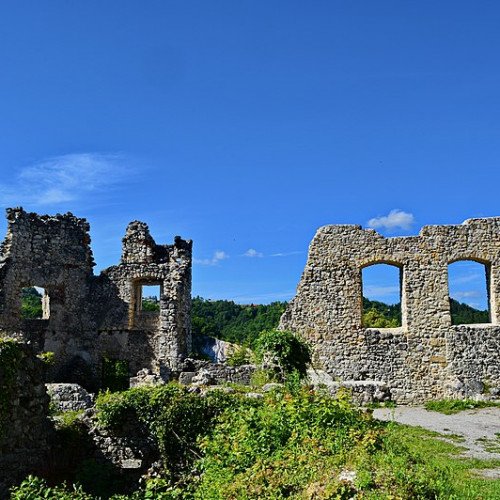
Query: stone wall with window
point(88, 318)
point(427, 357)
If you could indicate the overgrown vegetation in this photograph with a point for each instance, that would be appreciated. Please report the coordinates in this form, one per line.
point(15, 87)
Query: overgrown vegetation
point(115, 374)
point(241, 356)
point(31, 303)
point(451, 406)
point(303, 444)
point(48, 357)
point(35, 488)
point(283, 353)
point(226, 320)
point(171, 415)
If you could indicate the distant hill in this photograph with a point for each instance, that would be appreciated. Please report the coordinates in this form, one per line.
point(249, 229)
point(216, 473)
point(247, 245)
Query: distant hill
point(380, 315)
point(463, 314)
point(226, 320)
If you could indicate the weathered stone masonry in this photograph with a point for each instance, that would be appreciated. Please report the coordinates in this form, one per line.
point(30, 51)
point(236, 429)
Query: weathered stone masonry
point(427, 357)
point(90, 317)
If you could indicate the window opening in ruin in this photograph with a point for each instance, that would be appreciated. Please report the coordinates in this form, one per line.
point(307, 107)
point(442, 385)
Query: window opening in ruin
point(147, 297)
point(468, 284)
point(151, 297)
point(34, 303)
point(381, 284)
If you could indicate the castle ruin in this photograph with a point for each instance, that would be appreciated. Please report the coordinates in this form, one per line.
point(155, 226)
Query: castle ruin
point(88, 318)
point(427, 357)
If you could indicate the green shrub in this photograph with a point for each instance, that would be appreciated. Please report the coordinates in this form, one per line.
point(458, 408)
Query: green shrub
point(48, 357)
point(241, 356)
point(282, 352)
point(300, 445)
point(173, 416)
point(287, 445)
point(31, 303)
point(34, 488)
point(115, 374)
point(283, 447)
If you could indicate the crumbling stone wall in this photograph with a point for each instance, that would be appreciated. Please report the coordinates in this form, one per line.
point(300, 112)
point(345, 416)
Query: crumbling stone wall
point(427, 357)
point(91, 317)
point(25, 430)
point(167, 333)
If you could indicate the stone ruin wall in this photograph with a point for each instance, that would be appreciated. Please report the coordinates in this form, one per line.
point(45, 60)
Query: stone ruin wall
point(427, 357)
point(25, 431)
point(92, 317)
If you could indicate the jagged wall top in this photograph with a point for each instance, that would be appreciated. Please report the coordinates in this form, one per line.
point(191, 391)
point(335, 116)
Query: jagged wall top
point(34, 238)
point(139, 246)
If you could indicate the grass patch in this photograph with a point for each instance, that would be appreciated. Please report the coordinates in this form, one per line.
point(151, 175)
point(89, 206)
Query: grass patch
point(490, 445)
point(463, 473)
point(451, 406)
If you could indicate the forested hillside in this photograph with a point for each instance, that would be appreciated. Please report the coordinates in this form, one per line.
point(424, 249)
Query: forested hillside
point(226, 320)
point(463, 314)
point(238, 323)
point(233, 322)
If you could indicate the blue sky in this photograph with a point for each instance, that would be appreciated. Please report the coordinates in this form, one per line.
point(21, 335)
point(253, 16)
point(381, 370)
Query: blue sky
point(247, 125)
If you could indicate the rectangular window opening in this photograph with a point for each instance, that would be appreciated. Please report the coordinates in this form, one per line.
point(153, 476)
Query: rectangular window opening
point(35, 303)
point(469, 294)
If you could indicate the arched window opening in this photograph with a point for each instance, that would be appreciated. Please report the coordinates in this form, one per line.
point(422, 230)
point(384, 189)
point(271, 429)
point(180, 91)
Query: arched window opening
point(381, 285)
point(468, 284)
point(35, 303)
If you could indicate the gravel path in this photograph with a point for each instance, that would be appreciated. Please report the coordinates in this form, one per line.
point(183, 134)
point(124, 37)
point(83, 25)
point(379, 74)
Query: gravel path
point(479, 428)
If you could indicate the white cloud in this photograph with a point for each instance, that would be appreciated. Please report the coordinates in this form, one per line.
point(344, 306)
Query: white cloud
point(63, 179)
point(251, 252)
point(218, 256)
point(286, 254)
point(395, 219)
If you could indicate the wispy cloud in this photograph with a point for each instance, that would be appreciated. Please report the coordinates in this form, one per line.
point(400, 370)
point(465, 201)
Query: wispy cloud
point(394, 220)
point(63, 179)
point(458, 280)
point(217, 257)
point(251, 252)
point(286, 254)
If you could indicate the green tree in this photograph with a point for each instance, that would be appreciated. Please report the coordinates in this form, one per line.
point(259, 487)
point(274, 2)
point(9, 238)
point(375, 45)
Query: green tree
point(31, 303)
